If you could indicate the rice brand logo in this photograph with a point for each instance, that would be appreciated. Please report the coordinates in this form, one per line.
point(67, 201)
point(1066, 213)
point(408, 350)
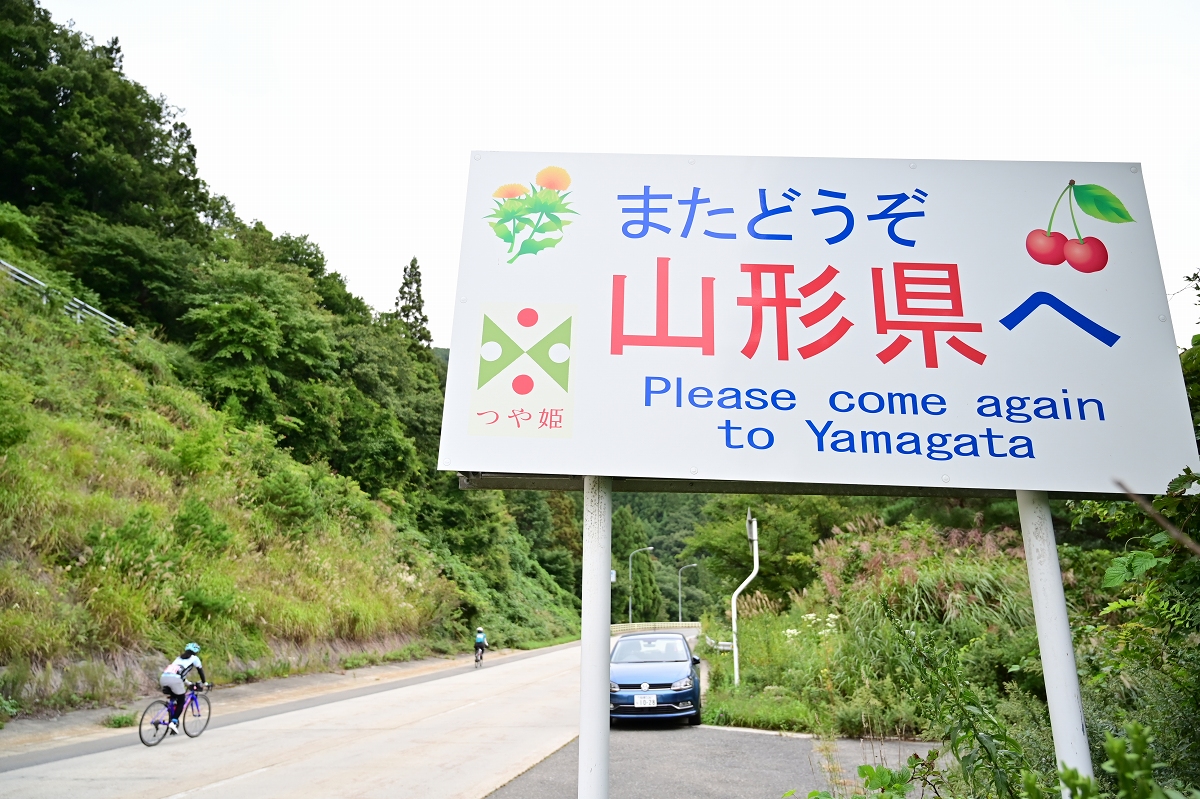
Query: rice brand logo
point(524, 382)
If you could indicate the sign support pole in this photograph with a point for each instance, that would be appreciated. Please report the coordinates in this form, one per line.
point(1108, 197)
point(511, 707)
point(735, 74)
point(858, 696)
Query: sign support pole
point(1054, 633)
point(595, 637)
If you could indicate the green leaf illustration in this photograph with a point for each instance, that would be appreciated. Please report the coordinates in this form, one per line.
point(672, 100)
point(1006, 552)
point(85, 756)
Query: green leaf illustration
point(533, 246)
point(552, 224)
point(510, 210)
point(540, 353)
point(1101, 203)
point(503, 231)
point(548, 201)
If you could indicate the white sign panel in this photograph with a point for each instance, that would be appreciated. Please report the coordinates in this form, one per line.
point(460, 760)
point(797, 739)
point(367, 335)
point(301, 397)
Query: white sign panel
point(868, 322)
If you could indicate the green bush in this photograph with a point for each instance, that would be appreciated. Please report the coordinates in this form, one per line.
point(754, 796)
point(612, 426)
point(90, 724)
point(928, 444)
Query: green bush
point(119, 720)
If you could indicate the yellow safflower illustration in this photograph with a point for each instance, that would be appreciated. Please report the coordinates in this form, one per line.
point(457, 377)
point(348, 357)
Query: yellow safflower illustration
point(531, 219)
point(510, 191)
point(554, 177)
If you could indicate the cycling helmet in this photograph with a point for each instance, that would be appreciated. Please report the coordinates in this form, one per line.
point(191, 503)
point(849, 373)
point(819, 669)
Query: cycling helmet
point(478, 629)
point(192, 648)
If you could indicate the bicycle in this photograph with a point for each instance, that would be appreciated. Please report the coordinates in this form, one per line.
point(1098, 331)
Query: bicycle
point(156, 718)
point(479, 657)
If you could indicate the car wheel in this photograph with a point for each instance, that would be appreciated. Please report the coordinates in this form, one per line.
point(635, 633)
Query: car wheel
point(694, 719)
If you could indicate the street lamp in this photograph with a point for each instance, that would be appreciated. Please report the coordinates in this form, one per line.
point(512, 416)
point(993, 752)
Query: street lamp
point(689, 566)
point(752, 534)
point(631, 554)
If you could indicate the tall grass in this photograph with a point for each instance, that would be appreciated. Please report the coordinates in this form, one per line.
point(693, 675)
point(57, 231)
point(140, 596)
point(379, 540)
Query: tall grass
point(134, 518)
point(830, 662)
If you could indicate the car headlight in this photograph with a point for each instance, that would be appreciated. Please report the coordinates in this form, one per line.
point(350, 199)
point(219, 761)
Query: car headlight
point(613, 687)
point(682, 685)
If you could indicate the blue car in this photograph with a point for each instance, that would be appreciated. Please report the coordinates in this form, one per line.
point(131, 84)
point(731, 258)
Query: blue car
point(653, 675)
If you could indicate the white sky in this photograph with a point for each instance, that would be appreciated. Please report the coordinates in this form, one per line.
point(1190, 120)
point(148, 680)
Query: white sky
point(353, 122)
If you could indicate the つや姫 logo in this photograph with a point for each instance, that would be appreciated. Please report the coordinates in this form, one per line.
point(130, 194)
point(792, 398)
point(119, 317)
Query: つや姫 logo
point(524, 383)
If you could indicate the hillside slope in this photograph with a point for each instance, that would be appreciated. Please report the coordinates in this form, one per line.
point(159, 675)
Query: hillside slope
point(134, 518)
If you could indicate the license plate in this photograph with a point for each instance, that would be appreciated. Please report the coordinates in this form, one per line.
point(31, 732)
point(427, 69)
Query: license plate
point(645, 700)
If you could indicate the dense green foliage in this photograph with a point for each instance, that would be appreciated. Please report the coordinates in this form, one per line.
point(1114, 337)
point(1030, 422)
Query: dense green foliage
point(254, 465)
point(829, 659)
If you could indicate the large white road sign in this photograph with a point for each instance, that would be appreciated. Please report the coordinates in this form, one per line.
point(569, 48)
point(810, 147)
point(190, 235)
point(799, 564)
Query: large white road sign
point(946, 324)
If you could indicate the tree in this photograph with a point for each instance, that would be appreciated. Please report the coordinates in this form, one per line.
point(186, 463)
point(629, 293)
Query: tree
point(410, 306)
point(77, 135)
point(788, 526)
point(628, 534)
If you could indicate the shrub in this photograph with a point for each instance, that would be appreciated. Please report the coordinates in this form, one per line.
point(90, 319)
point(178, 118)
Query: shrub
point(118, 720)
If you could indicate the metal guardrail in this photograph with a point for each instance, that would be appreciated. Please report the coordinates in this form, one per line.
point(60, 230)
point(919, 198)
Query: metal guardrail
point(75, 308)
point(651, 626)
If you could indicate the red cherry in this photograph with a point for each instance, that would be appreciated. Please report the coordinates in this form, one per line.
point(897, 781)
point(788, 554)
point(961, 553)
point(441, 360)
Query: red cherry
point(1046, 248)
point(1088, 255)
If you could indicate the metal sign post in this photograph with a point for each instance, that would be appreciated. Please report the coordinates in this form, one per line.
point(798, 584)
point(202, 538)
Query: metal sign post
point(594, 638)
point(1053, 633)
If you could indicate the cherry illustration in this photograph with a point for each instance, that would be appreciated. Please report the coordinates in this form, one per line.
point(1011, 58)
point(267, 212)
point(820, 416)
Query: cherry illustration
point(1046, 248)
point(1085, 255)
point(1088, 255)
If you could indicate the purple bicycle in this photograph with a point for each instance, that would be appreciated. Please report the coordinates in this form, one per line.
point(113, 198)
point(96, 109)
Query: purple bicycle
point(156, 718)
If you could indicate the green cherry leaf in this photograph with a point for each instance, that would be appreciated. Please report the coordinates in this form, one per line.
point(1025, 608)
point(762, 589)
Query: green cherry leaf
point(1101, 203)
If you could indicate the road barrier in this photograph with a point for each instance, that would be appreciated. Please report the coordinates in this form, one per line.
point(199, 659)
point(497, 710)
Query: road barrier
point(651, 626)
point(75, 308)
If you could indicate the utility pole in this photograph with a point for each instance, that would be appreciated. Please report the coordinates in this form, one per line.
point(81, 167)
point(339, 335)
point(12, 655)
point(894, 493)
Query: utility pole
point(631, 554)
point(689, 566)
point(752, 534)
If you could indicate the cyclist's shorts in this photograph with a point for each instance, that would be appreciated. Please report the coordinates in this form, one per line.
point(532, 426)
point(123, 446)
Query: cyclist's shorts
point(172, 683)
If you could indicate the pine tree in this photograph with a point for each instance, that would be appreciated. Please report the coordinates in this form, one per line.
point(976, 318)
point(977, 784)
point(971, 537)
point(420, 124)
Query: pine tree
point(410, 306)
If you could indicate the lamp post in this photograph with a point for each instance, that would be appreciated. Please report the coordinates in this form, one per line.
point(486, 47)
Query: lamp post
point(631, 554)
point(752, 534)
point(689, 566)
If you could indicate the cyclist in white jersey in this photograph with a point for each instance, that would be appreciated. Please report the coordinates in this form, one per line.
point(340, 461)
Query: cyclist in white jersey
point(172, 681)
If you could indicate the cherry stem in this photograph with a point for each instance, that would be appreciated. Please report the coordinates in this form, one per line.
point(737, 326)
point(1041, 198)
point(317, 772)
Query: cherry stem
point(1071, 205)
point(1050, 226)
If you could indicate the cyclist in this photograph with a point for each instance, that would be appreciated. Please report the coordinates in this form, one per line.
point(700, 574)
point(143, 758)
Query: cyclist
point(480, 643)
point(172, 681)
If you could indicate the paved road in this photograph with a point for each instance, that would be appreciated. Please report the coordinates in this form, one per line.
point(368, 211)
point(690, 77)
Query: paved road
point(459, 736)
point(655, 760)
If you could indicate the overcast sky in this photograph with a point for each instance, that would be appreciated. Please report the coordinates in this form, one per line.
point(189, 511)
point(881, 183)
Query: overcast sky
point(354, 122)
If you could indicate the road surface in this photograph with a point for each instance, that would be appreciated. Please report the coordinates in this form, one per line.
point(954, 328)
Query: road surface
point(654, 759)
point(463, 735)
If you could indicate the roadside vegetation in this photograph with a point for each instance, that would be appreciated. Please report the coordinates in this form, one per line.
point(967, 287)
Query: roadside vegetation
point(912, 629)
point(252, 465)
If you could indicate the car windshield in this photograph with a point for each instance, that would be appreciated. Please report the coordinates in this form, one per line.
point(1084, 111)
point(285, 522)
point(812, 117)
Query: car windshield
point(650, 650)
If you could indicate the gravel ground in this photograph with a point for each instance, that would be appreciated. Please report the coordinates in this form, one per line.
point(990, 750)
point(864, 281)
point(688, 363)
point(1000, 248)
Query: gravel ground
point(655, 760)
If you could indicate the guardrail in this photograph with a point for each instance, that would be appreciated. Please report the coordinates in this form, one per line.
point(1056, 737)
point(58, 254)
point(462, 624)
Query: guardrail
point(75, 308)
point(720, 646)
point(651, 626)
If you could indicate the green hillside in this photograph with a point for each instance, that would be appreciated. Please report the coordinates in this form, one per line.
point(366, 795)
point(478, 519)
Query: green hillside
point(252, 465)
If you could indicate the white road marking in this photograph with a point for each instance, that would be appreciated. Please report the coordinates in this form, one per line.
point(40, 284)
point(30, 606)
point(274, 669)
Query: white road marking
point(221, 782)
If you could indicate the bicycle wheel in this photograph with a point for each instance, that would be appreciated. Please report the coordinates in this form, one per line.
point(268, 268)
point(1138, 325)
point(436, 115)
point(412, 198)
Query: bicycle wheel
point(195, 716)
point(153, 726)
